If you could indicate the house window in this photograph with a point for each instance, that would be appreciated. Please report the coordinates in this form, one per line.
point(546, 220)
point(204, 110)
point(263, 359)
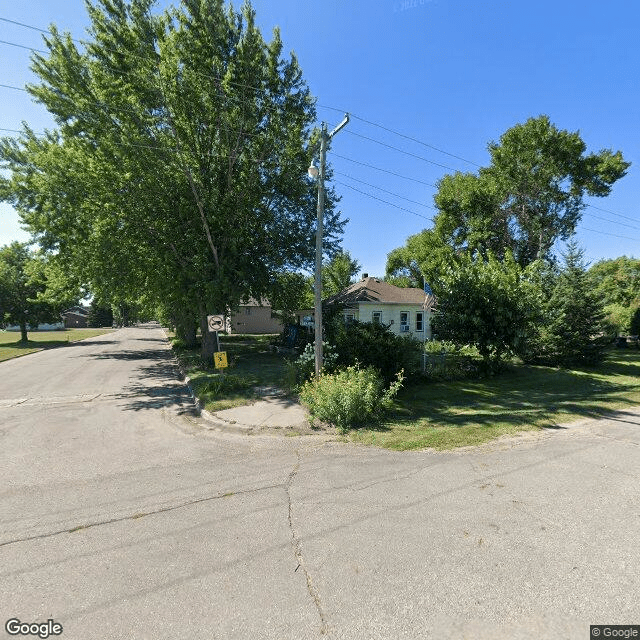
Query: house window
point(419, 321)
point(376, 317)
point(247, 311)
point(349, 318)
point(404, 322)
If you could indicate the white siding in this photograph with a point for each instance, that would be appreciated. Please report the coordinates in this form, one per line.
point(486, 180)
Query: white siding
point(391, 314)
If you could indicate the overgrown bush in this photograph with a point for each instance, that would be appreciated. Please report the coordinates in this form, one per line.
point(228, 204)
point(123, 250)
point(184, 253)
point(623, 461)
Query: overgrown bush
point(349, 397)
point(374, 345)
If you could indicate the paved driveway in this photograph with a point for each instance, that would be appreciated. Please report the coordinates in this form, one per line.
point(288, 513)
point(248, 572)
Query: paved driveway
point(121, 517)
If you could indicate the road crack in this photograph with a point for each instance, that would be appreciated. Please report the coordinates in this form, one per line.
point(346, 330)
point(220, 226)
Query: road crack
point(138, 515)
point(298, 553)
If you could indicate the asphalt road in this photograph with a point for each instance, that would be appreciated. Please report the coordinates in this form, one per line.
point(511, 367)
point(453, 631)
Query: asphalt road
point(121, 517)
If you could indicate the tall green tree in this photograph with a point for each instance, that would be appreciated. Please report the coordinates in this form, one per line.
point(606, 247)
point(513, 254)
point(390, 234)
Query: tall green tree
point(179, 156)
point(425, 256)
point(338, 273)
point(531, 195)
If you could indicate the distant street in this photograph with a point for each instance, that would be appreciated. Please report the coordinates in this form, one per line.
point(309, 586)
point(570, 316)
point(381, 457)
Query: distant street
point(121, 517)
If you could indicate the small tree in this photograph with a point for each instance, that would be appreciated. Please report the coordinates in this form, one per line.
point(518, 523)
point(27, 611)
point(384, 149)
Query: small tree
point(338, 273)
point(573, 333)
point(490, 304)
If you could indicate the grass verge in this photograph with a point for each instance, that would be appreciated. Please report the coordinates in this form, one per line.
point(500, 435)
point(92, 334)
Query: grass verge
point(11, 347)
point(445, 415)
point(252, 366)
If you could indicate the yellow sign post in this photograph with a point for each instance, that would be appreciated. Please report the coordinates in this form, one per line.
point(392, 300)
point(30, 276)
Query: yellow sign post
point(220, 359)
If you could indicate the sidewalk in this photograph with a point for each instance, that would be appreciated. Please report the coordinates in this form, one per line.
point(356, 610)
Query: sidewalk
point(272, 412)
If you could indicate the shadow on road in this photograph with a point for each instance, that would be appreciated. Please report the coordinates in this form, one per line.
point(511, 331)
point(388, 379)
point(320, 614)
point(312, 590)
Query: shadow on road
point(156, 383)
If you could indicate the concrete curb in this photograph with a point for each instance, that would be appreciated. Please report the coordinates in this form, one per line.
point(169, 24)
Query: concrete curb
point(216, 422)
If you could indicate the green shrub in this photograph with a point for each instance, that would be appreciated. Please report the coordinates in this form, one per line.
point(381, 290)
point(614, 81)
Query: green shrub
point(374, 345)
point(349, 397)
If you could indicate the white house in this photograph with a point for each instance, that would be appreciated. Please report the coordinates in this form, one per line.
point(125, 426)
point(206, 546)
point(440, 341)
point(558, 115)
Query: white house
point(372, 300)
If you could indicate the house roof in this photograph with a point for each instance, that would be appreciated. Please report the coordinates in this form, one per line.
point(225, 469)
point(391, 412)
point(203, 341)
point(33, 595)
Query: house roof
point(374, 290)
point(79, 311)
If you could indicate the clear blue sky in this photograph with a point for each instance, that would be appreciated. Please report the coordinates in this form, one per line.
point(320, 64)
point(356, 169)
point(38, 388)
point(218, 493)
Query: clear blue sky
point(454, 74)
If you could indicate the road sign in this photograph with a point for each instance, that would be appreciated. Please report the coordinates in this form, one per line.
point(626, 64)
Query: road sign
point(220, 359)
point(215, 323)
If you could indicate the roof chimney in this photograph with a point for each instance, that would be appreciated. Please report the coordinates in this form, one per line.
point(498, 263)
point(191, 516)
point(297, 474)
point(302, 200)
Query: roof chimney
point(365, 276)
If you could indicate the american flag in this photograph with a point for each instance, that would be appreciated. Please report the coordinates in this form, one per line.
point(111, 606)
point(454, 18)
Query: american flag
point(429, 298)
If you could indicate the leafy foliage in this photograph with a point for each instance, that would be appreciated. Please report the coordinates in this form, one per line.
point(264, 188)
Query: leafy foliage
point(350, 397)
point(305, 364)
point(374, 345)
point(33, 288)
point(338, 273)
point(487, 303)
point(573, 331)
point(530, 196)
point(100, 314)
point(617, 319)
point(617, 280)
point(634, 325)
point(178, 154)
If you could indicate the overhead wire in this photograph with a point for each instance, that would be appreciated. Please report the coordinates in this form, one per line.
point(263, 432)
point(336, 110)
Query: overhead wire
point(391, 204)
point(391, 193)
point(323, 106)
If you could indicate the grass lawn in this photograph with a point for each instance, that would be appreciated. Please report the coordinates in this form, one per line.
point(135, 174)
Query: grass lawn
point(446, 415)
point(440, 415)
point(253, 365)
point(11, 347)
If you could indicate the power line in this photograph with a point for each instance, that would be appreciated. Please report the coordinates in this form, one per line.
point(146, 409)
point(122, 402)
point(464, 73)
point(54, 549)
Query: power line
point(613, 213)
point(366, 121)
point(622, 224)
point(22, 24)
point(407, 153)
point(391, 193)
point(22, 46)
point(370, 166)
point(391, 204)
point(355, 116)
point(610, 234)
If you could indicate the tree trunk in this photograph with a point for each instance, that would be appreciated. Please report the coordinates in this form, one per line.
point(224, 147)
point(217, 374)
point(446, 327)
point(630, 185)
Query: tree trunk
point(208, 338)
point(23, 331)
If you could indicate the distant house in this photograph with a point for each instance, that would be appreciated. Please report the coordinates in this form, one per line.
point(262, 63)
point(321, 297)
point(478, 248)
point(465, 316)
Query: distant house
point(372, 300)
point(255, 316)
point(75, 317)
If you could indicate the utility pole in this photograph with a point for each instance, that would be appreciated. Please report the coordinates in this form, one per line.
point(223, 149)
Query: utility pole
point(314, 172)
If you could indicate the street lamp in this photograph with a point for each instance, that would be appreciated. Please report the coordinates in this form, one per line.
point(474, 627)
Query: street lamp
point(315, 172)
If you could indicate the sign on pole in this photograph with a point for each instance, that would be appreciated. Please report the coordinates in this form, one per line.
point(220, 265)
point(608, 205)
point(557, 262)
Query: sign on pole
point(215, 323)
point(220, 359)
